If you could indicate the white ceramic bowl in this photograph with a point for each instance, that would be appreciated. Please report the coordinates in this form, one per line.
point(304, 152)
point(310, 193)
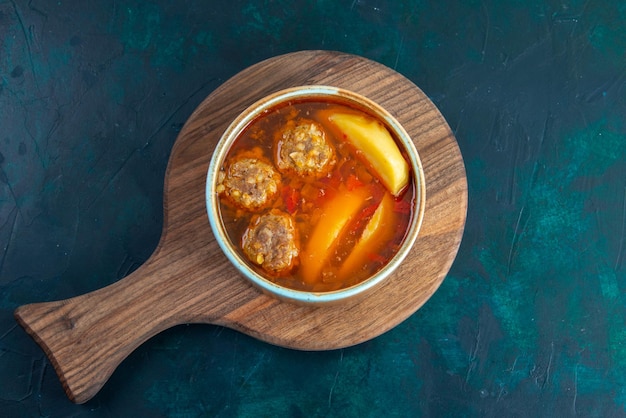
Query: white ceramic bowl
point(322, 93)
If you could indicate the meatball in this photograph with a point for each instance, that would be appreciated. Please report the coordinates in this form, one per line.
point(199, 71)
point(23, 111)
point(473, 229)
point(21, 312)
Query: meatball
point(303, 149)
point(249, 183)
point(271, 242)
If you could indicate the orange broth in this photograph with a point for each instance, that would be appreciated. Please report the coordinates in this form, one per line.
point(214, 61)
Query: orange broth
point(305, 199)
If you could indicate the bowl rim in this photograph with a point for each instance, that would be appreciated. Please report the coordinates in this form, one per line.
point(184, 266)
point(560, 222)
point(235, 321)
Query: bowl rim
point(306, 92)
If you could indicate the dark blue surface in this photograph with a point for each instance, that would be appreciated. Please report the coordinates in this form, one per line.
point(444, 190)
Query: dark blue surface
point(529, 322)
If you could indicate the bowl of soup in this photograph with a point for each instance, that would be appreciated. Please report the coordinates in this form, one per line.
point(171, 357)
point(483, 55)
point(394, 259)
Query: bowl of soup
point(315, 194)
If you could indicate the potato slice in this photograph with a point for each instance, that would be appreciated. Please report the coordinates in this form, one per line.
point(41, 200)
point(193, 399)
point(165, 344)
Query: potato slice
point(378, 147)
point(335, 216)
point(378, 231)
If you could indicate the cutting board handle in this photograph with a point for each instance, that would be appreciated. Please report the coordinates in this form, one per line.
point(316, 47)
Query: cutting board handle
point(88, 336)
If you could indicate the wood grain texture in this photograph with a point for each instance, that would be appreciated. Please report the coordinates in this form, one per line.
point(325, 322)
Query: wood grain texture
point(189, 280)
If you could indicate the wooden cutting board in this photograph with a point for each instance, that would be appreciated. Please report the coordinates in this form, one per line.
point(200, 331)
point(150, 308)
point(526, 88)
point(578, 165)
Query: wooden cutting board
point(189, 280)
